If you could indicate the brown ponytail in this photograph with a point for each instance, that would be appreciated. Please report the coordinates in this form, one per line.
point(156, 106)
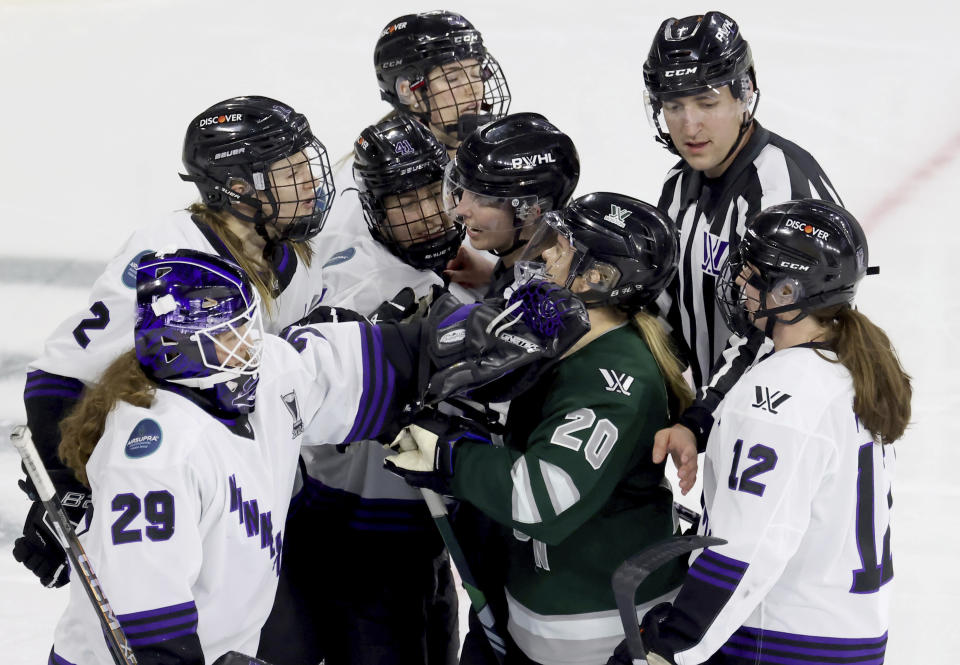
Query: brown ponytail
point(81, 430)
point(215, 219)
point(881, 387)
point(671, 369)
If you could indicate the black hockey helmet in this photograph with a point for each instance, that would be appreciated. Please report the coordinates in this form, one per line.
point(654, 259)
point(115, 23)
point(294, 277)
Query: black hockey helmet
point(411, 46)
point(806, 254)
point(267, 148)
point(625, 250)
point(398, 167)
point(694, 54)
point(521, 161)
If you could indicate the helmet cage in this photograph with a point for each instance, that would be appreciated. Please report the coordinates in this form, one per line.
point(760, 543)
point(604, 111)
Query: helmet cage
point(199, 325)
point(423, 237)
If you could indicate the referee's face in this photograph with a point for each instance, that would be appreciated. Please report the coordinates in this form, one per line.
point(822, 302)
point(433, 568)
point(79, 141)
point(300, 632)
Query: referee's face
point(704, 127)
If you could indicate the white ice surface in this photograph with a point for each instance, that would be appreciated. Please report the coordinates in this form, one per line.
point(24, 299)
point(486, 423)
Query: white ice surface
point(97, 94)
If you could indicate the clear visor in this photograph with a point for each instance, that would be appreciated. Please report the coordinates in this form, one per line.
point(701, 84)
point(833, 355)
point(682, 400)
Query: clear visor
point(234, 347)
point(463, 204)
point(705, 105)
point(550, 254)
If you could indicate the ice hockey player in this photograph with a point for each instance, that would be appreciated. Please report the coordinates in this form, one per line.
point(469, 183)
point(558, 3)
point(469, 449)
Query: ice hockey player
point(433, 66)
point(800, 463)
point(501, 181)
point(265, 187)
point(190, 442)
point(701, 97)
point(574, 486)
point(351, 608)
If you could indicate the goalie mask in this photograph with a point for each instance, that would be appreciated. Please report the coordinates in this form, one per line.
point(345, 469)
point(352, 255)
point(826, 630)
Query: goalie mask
point(199, 325)
point(608, 249)
point(398, 167)
point(434, 65)
point(257, 158)
point(798, 257)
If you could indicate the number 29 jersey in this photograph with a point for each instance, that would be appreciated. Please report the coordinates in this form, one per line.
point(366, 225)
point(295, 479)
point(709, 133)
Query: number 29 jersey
point(802, 493)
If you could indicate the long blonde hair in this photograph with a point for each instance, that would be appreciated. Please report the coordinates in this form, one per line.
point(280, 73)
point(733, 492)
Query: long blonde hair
point(216, 220)
point(882, 390)
point(670, 367)
point(81, 430)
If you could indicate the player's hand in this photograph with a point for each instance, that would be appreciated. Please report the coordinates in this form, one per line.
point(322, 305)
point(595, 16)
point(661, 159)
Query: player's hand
point(428, 450)
point(38, 549)
point(681, 443)
point(397, 308)
point(469, 269)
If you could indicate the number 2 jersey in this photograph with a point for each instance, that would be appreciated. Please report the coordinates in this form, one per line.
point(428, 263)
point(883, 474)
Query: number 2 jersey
point(86, 342)
point(802, 493)
point(187, 532)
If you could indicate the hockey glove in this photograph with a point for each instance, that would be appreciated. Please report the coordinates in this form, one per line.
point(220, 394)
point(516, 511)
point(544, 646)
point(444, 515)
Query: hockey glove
point(428, 451)
point(658, 653)
point(397, 308)
point(327, 314)
point(470, 346)
point(38, 548)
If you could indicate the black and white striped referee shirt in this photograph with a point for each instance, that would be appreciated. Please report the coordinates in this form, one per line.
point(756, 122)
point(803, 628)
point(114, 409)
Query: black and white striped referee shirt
point(710, 214)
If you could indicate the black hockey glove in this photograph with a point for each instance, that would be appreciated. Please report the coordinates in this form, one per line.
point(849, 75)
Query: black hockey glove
point(657, 654)
point(38, 548)
point(506, 345)
point(397, 308)
point(428, 448)
point(327, 314)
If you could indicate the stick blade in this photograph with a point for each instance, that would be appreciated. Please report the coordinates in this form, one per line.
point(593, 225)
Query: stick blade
point(632, 572)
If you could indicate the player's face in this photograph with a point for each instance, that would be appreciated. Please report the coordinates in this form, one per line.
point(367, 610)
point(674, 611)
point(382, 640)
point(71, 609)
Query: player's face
point(236, 347)
point(557, 259)
point(294, 188)
point(417, 215)
point(489, 225)
point(704, 127)
point(454, 89)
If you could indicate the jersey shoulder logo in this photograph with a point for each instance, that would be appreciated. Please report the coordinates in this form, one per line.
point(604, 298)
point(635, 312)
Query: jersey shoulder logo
point(144, 439)
point(769, 401)
point(617, 382)
point(129, 275)
point(341, 257)
point(714, 253)
point(290, 401)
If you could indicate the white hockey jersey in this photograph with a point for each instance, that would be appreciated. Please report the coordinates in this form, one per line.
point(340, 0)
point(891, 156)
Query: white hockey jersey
point(85, 343)
point(802, 493)
point(187, 533)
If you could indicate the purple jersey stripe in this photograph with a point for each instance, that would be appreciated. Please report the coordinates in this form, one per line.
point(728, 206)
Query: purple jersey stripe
point(40, 378)
point(51, 392)
point(376, 382)
point(839, 641)
point(164, 637)
point(724, 573)
point(159, 612)
point(57, 660)
point(824, 650)
point(388, 394)
point(364, 395)
point(724, 560)
point(763, 659)
point(157, 625)
point(710, 580)
point(457, 316)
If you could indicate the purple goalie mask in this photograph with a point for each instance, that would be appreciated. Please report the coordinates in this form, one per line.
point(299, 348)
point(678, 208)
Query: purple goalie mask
point(199, 325)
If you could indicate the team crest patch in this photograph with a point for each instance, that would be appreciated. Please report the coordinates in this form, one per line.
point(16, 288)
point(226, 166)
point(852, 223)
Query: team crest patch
point(617, 382)
point(129, 276)
point(290, 401)
point(144, 439)
point(341, 257)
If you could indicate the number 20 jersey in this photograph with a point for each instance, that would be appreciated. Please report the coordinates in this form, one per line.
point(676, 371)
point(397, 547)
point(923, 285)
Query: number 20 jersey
point(802, 493)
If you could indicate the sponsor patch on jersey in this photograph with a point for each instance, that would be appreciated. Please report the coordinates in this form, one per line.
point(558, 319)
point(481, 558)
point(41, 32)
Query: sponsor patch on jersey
point(129, 276)
point(341, 257)
point(144, 439)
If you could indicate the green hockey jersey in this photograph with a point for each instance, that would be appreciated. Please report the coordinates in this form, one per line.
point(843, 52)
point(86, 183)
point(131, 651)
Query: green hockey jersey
point(576, 484)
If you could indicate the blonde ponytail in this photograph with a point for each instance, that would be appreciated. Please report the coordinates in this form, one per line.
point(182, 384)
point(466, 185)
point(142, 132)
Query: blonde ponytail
point(670, 367)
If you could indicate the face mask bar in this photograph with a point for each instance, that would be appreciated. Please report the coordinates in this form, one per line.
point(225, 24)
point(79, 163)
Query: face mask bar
point(300, 193)
point(786, 294)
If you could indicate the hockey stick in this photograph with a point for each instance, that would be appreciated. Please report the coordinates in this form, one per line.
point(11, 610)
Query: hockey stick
point(477, 599)
point(120, 649)
point(632, 572)
point(686, 514)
